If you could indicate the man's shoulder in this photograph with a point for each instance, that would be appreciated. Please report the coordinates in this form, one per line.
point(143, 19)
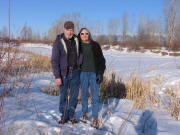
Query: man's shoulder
point(58, 40)
point(59, 36)
point(75, 36)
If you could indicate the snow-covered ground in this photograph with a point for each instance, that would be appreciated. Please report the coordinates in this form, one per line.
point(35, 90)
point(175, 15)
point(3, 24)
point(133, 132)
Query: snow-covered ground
point(38, 48)
point(147, 65)
point(37, 113)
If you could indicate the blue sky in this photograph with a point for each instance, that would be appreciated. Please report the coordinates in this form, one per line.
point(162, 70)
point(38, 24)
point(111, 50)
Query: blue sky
point(40, 14)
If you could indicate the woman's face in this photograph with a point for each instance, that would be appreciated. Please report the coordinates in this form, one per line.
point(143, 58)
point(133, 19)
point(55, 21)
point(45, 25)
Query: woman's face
point(84, 35)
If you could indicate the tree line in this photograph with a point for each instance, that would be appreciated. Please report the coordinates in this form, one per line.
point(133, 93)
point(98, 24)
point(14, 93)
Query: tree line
point(129, 30)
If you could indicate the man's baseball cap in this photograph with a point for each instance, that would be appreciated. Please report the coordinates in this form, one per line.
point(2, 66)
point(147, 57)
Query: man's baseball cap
point(69, 25)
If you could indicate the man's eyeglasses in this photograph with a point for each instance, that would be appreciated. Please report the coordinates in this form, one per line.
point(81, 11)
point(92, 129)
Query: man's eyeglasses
point(84, 33)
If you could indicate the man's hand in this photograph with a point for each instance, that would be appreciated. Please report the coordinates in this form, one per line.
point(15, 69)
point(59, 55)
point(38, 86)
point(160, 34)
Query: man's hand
point(58, 81)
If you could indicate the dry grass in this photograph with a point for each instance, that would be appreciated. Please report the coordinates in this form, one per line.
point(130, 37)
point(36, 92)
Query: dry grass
point(164, 53)
point(134, 88)
point(106, 47)
point(174, 54)
point(141, 50)
point(21, 59)
point(140, 90)
point(174, 102)
point(120, 49)
point(151, 69)
point(19, 65)
point(54, 91)
point(143, 92)
point(155, 51)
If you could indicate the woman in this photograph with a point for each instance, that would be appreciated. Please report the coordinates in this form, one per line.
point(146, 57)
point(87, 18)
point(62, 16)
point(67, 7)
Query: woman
point(92, 70)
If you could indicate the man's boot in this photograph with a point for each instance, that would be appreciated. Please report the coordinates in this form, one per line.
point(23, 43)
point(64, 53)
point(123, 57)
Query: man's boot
point(63, 121)
point(73, 120)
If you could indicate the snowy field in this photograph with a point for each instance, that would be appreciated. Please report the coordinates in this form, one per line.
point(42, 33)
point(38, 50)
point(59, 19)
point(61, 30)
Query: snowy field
point(36, 113)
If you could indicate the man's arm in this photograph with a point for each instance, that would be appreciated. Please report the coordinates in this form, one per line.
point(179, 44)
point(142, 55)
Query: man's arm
point(55, 61)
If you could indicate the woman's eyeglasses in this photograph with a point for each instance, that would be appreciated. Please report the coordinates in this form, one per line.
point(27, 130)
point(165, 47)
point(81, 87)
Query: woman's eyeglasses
point(84, 33)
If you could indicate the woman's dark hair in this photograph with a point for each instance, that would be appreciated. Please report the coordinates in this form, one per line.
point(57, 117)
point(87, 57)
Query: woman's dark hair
point(90, 37)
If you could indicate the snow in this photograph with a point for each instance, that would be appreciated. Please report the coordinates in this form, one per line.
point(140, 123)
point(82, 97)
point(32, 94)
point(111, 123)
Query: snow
point(36, 113)
point(147, 65)
point(37, 48)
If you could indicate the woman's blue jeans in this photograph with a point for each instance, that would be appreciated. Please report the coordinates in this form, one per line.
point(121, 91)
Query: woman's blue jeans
point(89, 79)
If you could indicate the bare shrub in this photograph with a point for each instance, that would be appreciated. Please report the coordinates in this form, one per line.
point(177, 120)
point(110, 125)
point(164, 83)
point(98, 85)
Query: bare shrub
point(112, 88)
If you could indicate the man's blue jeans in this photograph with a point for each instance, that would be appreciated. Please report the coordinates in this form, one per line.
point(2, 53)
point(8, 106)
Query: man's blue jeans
point(89, 79)
point(67, 107)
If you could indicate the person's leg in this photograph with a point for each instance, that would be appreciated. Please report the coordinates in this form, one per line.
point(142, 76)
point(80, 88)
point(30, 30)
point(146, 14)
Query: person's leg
point(84, 91)
point(63, 102)
point(74, 91)
point(94, 94)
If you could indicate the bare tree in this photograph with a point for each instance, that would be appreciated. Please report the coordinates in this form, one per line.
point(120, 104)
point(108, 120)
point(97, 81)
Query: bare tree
point(113, 26)
point(52, 33)
point(177, 30)
point(24, 32)
point(170, 9)
point(0, 34)
point(45, 37)
point(124, 27)
point(76, 20)
point(133, 24)
point(102, 39)
point(141, 29)
point(29, 32)
point(57, 26)
point(4, 33)
point(160, 29)
point(113, 29)
point(38, 36)
point(95, 27)
point(151, 30)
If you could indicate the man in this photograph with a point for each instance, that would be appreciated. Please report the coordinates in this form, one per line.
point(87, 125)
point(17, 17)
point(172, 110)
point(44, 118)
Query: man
point(65, 59)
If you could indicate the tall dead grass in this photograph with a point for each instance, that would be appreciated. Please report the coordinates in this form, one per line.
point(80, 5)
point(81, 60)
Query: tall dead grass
point(21, 64)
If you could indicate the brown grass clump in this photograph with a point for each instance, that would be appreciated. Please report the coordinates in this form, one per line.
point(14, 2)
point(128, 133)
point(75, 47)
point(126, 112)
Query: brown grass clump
point(174, 102)
point(139, 91)
point(141, 50)
point(106, 47)
point(54, 91)
point(153, 51)
point(174, 54)
point(164, 53)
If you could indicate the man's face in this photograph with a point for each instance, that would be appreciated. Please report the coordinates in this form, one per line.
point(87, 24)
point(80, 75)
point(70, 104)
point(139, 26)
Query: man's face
point(68, 33)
